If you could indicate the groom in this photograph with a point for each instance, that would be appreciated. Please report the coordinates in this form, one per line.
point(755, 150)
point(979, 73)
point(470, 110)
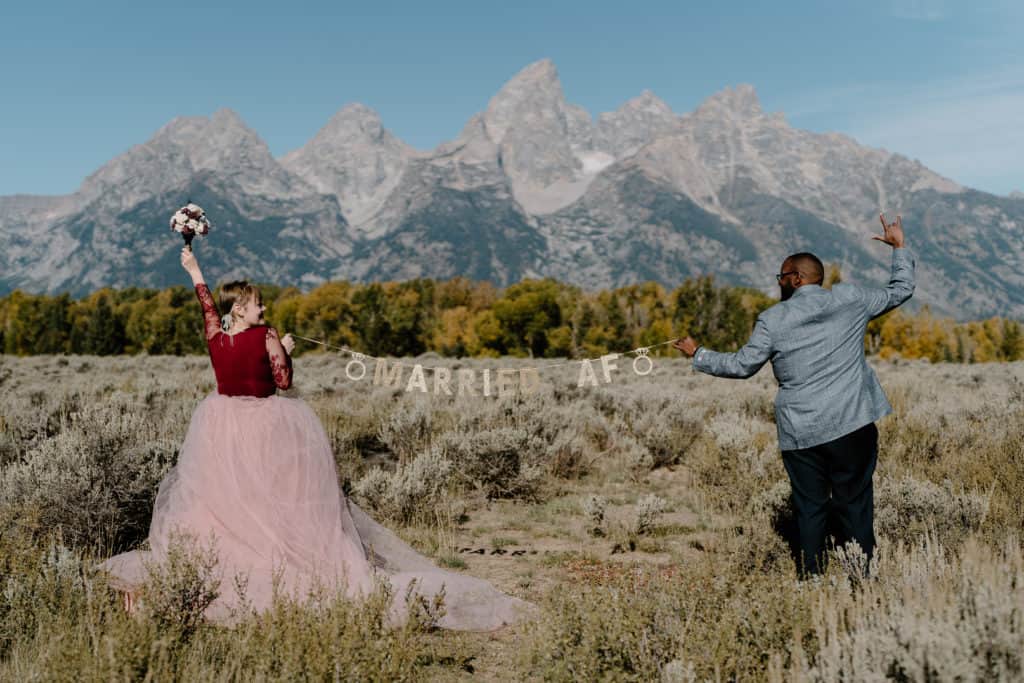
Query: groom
point(829, 398)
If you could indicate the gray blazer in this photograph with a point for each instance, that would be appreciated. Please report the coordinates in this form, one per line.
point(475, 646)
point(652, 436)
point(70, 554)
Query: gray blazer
point(815, 342)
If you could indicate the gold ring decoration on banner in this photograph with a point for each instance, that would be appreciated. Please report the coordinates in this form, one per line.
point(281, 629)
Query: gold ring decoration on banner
point(357, 361)
point(641, 354)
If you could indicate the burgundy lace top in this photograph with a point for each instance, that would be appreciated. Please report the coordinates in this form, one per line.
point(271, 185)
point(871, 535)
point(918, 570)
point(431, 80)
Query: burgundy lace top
point(250, 363)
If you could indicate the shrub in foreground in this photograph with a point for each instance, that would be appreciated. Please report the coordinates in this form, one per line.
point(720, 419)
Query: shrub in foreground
point(59, 621)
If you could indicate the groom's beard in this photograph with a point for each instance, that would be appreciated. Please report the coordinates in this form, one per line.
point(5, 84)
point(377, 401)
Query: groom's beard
point(786, 291)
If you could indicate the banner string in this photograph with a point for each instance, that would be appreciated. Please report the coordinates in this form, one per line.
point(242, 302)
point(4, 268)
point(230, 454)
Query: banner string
point(643, 350)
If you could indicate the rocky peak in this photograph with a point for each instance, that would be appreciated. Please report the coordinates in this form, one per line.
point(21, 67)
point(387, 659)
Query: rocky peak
point(542, 72)
point(647, 103)
point(352, 122)
point(355, 129)
point(634, 124)
point(580, 128)
point(225, 143)
point(221, 143)
point(739, 102)
point(536, 131)
point(535, 92)
point(212, 137)
point(226, 118)
point(354, 158)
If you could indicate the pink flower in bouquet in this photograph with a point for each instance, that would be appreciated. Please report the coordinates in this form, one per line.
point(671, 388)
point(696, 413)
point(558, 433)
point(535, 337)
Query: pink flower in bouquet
point(189, 221)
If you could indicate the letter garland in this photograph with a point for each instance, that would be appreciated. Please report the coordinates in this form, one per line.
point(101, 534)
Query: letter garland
point(487, 382)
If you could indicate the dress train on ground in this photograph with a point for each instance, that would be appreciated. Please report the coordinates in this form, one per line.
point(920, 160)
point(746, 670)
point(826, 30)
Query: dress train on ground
point(258, 476)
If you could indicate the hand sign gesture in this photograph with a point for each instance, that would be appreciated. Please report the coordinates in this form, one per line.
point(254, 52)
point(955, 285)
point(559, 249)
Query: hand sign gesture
point(893, 232)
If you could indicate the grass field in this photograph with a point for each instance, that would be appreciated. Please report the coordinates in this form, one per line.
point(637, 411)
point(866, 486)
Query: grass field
point(643, 517)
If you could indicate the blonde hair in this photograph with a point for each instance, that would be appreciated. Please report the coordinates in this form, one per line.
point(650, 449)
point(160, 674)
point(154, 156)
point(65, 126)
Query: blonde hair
point(237, 292)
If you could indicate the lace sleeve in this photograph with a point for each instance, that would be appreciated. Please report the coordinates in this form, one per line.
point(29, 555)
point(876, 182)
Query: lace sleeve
point(280, 361)
point(211, 320)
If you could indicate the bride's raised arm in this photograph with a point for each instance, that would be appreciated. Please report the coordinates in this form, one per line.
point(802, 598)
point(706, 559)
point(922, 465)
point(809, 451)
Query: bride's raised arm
point(211, 320)
point(191, 266)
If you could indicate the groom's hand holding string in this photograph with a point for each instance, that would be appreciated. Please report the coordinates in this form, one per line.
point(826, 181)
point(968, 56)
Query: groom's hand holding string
point(687, 346)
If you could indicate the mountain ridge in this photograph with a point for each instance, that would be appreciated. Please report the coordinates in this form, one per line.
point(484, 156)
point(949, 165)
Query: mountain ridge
point(532, 186)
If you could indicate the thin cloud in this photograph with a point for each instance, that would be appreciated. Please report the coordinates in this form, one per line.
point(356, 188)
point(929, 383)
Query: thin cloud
point(967, 128)
point(975, 141)
point(919, 10)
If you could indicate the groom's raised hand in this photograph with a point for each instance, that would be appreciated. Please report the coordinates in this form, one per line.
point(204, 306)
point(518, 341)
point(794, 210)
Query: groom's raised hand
point(687, 346)
point(893, 232)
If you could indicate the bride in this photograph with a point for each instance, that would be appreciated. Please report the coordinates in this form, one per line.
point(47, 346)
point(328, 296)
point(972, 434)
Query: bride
point(257, 473)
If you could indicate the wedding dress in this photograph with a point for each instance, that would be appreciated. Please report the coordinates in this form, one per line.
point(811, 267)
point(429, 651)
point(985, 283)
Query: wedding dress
point(257, 475)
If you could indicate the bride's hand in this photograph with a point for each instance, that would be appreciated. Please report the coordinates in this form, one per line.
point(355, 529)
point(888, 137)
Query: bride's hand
point(191, 266)
point(188, 260)
point(288, 343)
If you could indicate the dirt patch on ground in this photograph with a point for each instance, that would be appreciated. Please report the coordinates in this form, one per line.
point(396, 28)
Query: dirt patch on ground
point(530, 550)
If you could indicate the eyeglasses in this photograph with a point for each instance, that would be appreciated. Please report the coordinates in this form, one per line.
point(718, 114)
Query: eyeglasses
point(779, 277)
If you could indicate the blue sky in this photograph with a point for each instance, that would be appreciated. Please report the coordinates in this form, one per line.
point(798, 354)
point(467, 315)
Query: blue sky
point(939, 81)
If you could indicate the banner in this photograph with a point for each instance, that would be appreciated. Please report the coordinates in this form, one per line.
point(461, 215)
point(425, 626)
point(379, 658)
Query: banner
point(487, 383)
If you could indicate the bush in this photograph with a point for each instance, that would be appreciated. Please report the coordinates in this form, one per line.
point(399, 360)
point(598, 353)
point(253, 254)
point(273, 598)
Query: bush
point(616, 632)
point(566, 457)
point(931, 615)
point(501, 463)
point(636, 623)
point(180, 588)
point(59, 621)
point(907, 507)
point(28, 422)
point(413, 492)
point(648, 510)
point(775, 504)
point(95, 479)
point(41, 587)
point(407, 430)
point(667, 436)
point(594, 508)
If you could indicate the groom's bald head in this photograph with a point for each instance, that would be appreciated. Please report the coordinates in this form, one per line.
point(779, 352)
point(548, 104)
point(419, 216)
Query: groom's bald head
point(811, 270)
point(799, 270)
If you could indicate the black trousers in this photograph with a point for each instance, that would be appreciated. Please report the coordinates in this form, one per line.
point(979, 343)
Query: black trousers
point(833, 480)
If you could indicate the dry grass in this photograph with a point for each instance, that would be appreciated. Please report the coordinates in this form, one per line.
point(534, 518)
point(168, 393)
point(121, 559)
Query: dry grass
point(641, 515)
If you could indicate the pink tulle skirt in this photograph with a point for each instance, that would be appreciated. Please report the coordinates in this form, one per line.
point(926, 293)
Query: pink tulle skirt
point(256, 478)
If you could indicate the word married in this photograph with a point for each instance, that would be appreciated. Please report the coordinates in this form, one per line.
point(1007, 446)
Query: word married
point(501, 382)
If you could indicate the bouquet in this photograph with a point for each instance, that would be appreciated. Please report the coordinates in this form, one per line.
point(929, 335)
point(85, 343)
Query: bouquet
point(189, 221)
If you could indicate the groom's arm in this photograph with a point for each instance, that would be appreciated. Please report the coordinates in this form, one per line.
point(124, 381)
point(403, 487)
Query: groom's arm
point(901, 279)
point(741, 364)
point(899, 289)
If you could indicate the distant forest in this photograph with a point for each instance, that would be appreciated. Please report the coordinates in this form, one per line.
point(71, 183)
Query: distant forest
point(537, 318)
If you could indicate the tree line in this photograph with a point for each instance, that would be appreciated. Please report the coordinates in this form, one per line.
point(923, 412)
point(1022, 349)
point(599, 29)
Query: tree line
point(458, 317)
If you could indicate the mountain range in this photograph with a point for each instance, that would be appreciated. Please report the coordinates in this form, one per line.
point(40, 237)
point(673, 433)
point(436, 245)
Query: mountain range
point(533, 186)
